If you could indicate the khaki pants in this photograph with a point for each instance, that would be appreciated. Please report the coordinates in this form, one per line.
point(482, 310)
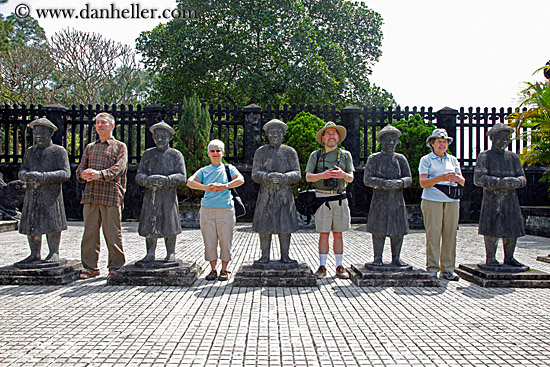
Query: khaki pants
point(335, 219)
point(441, 222)
point(217, 226)
point(109, 219)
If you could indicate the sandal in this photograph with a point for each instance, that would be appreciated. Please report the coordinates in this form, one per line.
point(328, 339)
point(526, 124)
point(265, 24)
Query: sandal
point(111, 273)
point(87, 274)
point(212, 276)
point(224, 275)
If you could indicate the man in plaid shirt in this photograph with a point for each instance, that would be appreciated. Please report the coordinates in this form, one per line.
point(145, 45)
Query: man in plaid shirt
point(103, 167)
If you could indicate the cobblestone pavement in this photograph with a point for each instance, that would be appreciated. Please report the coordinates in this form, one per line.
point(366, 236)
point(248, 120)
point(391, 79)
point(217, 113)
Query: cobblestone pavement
point(88, 323)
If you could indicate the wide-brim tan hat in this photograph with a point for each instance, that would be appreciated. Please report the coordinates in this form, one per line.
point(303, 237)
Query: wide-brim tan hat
point(438, 133)
point(339, 128)
point(161, 125)
point(388, 129)
point(499, 126)
point(276, 122)
point(43, 122)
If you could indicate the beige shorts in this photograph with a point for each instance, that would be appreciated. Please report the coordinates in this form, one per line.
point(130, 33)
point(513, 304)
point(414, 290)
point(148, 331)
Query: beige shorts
point(335, 219)
point(217, 226)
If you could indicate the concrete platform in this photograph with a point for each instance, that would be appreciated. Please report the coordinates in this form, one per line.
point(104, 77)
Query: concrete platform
point(505, 278)
point(182, 274)
point(368, 276)
point(275, 274)
point(60, 273)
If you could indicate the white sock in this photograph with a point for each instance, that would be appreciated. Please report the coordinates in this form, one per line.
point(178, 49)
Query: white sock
point(339, 259)
point(323, 259)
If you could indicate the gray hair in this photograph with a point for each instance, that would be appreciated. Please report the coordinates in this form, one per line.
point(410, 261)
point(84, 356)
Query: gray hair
point(107, 116)
point(216, 144)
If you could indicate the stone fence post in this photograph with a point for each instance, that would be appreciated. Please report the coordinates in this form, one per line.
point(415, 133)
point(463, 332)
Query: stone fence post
point(350, 120)
point(153, 113)
point(446, 119)
point(252, 131)
point(57, 114)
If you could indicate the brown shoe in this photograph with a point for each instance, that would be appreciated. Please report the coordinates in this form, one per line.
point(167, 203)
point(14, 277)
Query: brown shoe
point(321, 272)
point(213, 275)
point(342, 273)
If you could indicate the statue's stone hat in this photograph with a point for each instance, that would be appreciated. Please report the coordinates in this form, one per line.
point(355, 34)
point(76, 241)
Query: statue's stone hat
point(438, 133)
point(44, 122)
point(339, 128)
point(388, 129)
point(499, 126)
point(161, 125)
point(276, 122)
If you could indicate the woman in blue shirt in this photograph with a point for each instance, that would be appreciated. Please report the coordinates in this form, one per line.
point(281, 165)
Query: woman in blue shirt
point(440, 211)
point(217, 215)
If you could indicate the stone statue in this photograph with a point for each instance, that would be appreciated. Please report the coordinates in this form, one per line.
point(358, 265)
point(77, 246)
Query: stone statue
point(45, 166)
point(12, 195)
point(500, 174)
point(161, 170)
point(387, 173)
point(275, 168)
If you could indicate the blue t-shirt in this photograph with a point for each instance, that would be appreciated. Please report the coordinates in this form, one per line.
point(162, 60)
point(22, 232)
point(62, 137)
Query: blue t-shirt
point(216, 174)
point(432, 165)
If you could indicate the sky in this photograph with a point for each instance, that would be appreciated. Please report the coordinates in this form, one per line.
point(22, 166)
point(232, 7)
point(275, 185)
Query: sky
point(435, 53)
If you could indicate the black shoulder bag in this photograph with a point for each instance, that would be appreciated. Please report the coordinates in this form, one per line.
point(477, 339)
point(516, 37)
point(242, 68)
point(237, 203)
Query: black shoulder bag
point(306, 200)
point(240, 209)
point(452, 192)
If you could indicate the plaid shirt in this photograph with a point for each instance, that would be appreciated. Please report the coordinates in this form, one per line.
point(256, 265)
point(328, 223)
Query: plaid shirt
point(111, 159)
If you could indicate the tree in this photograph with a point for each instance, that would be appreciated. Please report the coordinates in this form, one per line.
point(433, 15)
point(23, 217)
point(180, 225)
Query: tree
point(193, 134)
point(73, 68)
point(533, 124)
point(26, 74)
point(267, 51)
point(93, 69)
point(15, 32)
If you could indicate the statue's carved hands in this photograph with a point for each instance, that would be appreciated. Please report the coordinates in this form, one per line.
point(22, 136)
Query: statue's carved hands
point(275, 177)
point(510, 182)
point(394, 184)
point(32, 177)
point(157, 181)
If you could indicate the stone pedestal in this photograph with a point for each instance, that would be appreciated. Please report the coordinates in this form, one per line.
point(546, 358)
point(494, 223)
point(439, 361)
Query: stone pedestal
point(176, 273)
point(275, 274)
point(545, 259)
point(388, 275)
point(503, 276)
point(7, 225)
point(41, 273)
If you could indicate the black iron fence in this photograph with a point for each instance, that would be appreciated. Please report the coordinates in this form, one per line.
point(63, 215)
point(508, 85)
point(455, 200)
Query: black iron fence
point(241, 127)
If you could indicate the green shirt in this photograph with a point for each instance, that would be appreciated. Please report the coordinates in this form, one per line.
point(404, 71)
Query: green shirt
point(328, 161)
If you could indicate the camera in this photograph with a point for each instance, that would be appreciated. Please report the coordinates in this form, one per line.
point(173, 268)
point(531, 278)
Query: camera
point(330, 182)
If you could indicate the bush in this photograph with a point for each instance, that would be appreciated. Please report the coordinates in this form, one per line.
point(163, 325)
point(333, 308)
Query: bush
point(412, 144)
point(191, 139)
point(301, 136)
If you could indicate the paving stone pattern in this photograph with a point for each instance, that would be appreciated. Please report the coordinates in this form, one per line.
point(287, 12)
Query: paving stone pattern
point(87, 323)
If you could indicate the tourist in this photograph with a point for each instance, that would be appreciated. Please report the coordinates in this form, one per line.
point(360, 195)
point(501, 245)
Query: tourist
point(438, 170)
point(217, 215)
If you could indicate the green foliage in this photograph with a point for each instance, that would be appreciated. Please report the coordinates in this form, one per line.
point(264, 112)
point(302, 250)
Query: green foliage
point(301, 136)
point(412, 144)
point(267, 51)
point(192, 138)
point(16, 32)
point(536, 120)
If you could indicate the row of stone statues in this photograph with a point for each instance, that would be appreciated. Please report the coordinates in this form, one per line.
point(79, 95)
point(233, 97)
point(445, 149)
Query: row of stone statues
point(162, 169)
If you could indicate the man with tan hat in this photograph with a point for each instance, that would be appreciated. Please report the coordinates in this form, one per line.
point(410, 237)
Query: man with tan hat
point(331, 169)
point(103, 167)
point(500, 174)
